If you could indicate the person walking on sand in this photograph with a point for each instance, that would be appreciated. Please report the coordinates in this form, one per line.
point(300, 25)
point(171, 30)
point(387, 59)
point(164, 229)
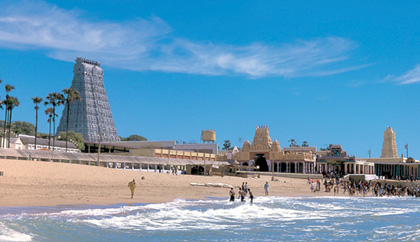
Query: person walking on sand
point(132, 186)
point(251, 196)
point(266, 188)
point(232, 195)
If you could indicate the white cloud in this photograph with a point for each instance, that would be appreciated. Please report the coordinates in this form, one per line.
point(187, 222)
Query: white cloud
point(411, 76)
point(149, 44)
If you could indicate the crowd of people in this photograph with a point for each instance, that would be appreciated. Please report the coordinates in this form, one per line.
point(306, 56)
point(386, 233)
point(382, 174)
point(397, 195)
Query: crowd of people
point(364, 188)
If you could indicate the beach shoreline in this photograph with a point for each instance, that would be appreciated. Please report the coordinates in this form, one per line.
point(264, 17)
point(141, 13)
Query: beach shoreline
point(38, 184)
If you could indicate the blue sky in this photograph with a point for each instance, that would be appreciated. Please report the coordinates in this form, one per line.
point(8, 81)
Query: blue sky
point(326, 72)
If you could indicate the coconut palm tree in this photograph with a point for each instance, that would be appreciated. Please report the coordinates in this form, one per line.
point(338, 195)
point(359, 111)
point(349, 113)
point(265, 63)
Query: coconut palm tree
point(71, 96)
point(49, 112)
point(54, 99)
point(11, 104)
point(36, 100)
point(8, 89)
point(292, 143)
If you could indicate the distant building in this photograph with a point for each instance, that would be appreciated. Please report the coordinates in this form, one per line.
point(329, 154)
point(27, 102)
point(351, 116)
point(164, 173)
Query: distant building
point(42, 144)
point(17, 144)
point(337, 161)
point(158, 149)
point(92, 115)
point(392, 166)
point(269, 156)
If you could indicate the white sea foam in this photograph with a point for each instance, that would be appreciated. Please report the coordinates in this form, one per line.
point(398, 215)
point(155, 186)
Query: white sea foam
point(99, 211)
point(8, 234)
point(222, 215)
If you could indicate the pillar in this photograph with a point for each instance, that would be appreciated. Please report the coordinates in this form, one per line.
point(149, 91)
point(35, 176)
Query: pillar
point(278, 166)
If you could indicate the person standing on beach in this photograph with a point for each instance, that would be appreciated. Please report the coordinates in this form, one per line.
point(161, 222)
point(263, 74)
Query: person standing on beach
point(132, 186)
point(232, 195)
point(266, 188)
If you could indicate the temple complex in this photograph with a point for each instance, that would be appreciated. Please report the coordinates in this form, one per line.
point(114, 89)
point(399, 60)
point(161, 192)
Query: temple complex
point(269, 156)
point(392, 166)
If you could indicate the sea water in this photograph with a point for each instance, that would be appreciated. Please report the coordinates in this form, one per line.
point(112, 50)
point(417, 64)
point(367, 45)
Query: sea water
point(268, 219)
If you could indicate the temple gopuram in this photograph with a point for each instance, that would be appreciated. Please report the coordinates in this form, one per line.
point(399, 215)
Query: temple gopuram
point(269, 156)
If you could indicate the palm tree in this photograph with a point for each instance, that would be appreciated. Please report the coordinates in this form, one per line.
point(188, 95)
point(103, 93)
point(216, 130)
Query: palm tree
point(8, 89)
point(292, 143)
point(305, 144)
point(49, 112)
point(12, 103)
point(36, 100)
point(54, 99)
point(71, 96)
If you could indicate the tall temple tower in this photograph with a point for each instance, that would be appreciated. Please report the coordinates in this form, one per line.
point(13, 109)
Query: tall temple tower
point(389, 147)
point(92, 115)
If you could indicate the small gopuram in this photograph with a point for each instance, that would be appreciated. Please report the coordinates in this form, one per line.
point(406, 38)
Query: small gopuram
point(268, 156)
point(389, 146)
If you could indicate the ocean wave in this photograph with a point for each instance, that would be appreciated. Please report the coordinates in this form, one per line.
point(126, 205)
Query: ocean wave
point(8, 234)
point(296, 219)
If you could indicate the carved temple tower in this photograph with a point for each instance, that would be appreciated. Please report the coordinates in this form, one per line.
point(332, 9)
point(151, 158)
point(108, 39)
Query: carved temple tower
point(92, 115)
point(389, 146)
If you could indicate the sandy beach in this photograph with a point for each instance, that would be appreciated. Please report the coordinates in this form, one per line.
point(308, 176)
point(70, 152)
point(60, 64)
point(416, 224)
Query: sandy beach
point(34, 183)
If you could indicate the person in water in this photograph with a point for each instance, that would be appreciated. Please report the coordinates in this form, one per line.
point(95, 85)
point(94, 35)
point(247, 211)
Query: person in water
point(266, 188)
point(132, 186)
point(251, 196)
point(232, 195)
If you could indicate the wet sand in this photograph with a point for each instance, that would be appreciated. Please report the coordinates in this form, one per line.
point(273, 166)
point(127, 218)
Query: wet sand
point(34, 183)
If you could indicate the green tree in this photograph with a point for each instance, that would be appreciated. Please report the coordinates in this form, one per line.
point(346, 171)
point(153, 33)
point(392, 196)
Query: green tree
point(305, 144)
point(226, 145)
point(134, 137)
point(292, 143)
point(43, 135)
point(71, 96)
point(36, 100)
point(74, 137)
point(54, 99)
point(22, 127)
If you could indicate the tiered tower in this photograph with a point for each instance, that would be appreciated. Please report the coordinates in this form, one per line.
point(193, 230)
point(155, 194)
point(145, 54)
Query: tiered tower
point(92, 115)
point(389, 147)
point(262, 140)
